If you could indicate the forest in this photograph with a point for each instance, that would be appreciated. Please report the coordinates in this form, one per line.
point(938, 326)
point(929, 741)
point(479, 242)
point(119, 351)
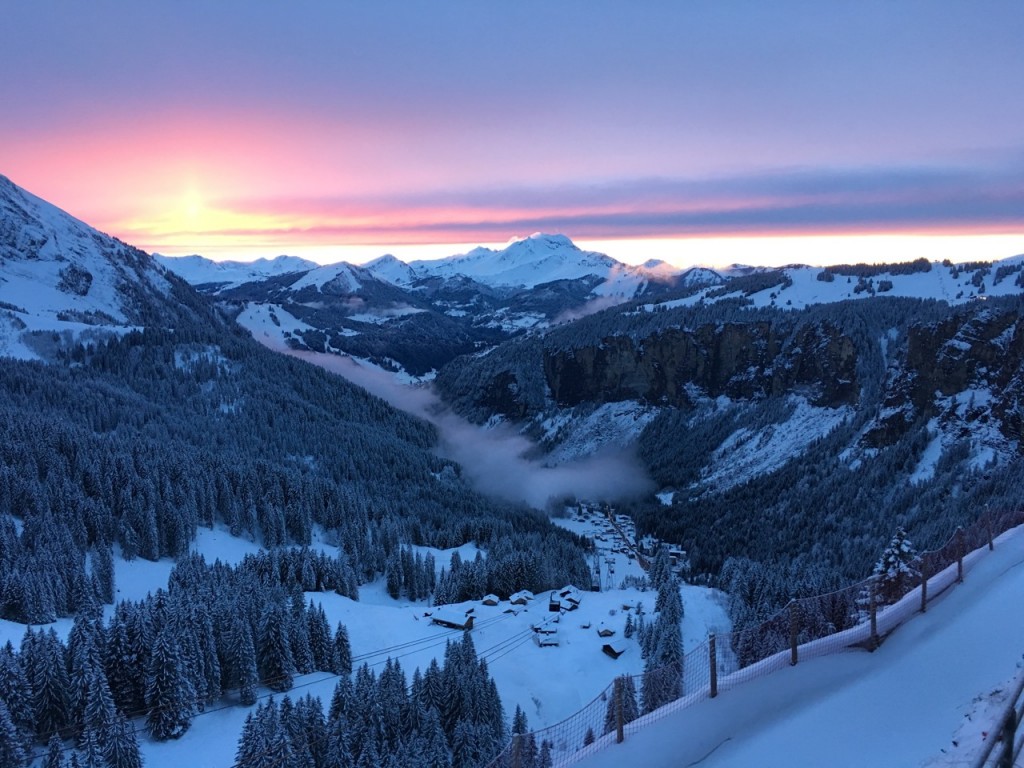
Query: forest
point(126, 446)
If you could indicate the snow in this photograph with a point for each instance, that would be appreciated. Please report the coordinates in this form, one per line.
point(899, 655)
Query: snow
point(806, 290)
point(748, 453)
point(903, 705)
point(390, 269)
point(197, 270)
point(549, 683)
point(608, 427)
point(340, 278)
point(537, 259)
point(43, 248)
point(925, 469)
point(259, 319)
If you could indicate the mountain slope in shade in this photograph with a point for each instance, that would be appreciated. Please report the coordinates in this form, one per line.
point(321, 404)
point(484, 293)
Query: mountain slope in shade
point(60, 275)
point(198, 270)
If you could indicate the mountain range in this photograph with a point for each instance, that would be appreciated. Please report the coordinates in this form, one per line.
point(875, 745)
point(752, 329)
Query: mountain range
point(788, 420)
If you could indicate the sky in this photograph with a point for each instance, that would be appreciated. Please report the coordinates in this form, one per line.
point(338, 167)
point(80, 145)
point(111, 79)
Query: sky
point(700, 132)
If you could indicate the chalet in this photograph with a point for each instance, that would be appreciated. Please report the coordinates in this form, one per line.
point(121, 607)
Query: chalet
point(549, 640)
point(603, 630)
point(545, 627)
point(491, 600)
point(554, 603)
point(614, 649)
point(521, 598)
point(569, 598)
point(452, 619)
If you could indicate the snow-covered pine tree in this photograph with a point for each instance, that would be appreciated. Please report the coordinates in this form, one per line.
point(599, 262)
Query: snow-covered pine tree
point(12, 745)
point(630, 709)
point(170, 696)
point(274, 653)
point(896, 569)
point(342, 657)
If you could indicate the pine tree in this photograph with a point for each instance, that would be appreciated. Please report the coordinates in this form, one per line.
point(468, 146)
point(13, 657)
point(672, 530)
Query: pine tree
point(121, 748)
point(320, 641)
point(50, 684)
point(519, 724)
point(274, 654)
point(436, 752)
point(342, 658)
point(170, 696)
point(12, 747)
point(630, 710)
point(544, 759)
point(896, 569)
point(15, 690)
point(54, 753)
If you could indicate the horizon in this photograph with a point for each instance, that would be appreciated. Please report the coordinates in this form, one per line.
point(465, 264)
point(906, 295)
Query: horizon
point(714, 253)
point(701, 134)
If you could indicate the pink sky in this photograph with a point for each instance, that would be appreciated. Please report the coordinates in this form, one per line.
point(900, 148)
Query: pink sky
point(692, 131)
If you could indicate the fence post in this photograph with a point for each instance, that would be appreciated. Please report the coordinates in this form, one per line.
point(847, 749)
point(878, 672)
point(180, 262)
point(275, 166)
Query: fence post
point(1009, 738)
point(924, 584)
point(960, 545)
point(713, 661)
point(874, 615)
point(517, 747)
point(619, 735)
point(988, 527)
point(794, 630)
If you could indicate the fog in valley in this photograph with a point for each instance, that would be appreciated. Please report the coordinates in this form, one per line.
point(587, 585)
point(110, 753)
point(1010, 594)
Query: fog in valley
point(494, 458)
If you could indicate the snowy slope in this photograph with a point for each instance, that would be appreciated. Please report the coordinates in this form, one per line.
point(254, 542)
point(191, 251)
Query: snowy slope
point(801, 286)
point(913, 702)
point(335, 278)
point(392, 270)
point(59, 274)
point(197, 270)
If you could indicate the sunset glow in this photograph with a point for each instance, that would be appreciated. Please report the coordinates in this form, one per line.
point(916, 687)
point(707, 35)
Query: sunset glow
point(704, 135)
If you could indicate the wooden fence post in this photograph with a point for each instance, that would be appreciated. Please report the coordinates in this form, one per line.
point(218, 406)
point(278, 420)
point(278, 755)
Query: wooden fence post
point(619, 734)
point(713, 661)
point(874, 616)
point(517, 750)
point(960, 546)
point(1009, 739)
point(988, 527)
point(794, 630)
point(924, 585)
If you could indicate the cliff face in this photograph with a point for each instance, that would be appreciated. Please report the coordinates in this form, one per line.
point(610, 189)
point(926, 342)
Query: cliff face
point(968, 369)
point(739, 360)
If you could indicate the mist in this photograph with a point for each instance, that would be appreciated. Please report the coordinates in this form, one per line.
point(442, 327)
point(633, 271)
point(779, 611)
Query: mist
point(494, 459)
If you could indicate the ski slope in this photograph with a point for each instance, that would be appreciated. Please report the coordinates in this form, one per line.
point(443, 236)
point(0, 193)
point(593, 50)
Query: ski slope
point(926, 697)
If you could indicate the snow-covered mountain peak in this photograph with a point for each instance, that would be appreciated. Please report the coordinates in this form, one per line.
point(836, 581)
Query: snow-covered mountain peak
point(526, 263)
point(391, 269)
point(58, 274)
point(340, 278)
point(198, 270)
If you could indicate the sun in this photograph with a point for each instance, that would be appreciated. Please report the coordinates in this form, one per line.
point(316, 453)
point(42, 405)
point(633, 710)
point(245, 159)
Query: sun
point(192, 205)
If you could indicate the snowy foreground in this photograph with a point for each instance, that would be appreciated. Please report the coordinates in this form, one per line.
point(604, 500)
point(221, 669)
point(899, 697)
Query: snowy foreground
point(549, 683)
point(927, 697)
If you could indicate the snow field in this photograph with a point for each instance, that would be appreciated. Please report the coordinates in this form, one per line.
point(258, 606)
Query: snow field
point(550, 684)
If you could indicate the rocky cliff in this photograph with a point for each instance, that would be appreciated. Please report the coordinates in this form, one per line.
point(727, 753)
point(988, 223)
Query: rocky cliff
point(739, 360)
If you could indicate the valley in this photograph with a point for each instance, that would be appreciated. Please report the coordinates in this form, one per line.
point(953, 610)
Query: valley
point(274, 477)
